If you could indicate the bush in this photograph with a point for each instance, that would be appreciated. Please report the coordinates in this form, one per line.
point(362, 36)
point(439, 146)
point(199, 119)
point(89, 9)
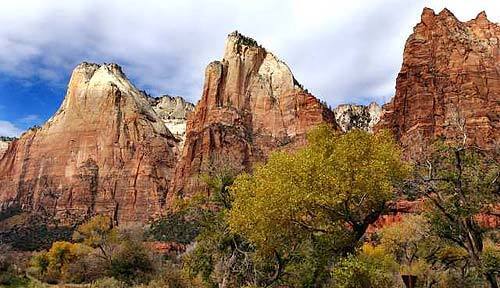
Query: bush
point(372, 268)
point(52, 266)
point(132, 264)
point(87, 269)
point(108, 283)
point(175, 227)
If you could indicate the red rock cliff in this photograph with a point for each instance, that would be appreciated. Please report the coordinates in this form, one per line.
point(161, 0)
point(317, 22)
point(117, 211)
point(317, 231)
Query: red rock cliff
point(251, 105)
point(449, 83)
point(104, 151)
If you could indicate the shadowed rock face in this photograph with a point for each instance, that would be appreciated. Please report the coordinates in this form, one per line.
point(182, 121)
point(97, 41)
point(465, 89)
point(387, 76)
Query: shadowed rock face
point(251, 105)
point(351, 116)
point(449, 83)
point(104, 151)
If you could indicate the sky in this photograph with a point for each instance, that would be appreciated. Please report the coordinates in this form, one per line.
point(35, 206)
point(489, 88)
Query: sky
point(341, 51)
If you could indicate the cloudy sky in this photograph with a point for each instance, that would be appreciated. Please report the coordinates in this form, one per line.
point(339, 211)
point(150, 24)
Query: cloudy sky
point(342, 51)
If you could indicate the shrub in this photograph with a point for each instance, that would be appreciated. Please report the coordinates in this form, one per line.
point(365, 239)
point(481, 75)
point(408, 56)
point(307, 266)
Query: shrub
point(87, 269)
point(108, 283)
point(373, 268)
point(52, 266)
point(132, 263)
point(175, 227)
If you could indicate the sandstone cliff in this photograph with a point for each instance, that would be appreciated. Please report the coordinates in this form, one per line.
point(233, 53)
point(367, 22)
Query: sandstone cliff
point(351, 116)
point(4, 144)
point(104, 151)
point(173, 111)
point(251, 105)
point(449, 83)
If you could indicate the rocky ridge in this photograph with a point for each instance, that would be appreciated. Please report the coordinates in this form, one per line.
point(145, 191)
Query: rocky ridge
point(105, 151)
point(251, 105)
point(112, 149)
point(352, 116)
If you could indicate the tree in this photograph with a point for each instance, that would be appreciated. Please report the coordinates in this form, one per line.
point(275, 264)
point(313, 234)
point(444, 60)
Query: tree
point(219, 257)
point(329, 191)
point(53, 265)
point(460, 183)
point(132, 263)
point(98, 233)
point(415, 248)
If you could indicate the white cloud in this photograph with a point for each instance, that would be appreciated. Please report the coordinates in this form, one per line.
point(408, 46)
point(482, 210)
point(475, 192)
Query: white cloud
point(342, 51)
point(9, 129)
point(30, 119)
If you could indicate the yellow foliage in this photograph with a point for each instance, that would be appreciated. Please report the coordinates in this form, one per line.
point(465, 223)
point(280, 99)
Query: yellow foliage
point(96, 232)
point(321, 188)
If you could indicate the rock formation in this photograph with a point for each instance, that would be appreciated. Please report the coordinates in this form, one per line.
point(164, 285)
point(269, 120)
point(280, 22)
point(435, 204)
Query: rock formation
point(351, 116)
point(449, 83)
point(251, 105)
point(4, 144)
point(173, 111)
point(104, 151)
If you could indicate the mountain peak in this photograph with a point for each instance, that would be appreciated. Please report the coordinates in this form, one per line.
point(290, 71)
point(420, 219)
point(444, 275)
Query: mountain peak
point(242, 39)
point(237, 43)
point(446, 13)
point(100, 75)
point(482, 15)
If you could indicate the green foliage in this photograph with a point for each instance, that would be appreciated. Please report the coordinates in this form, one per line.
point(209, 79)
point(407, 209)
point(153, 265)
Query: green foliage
point(108, 283)
point(175, 227)
point(410, 242)
point(460, 183)
point(132, 263)
point(53, 265)
point(371, 268)
point(219, 256)
point(491, 259)
point(98, 233)
point(172, 277)
point(337, 181)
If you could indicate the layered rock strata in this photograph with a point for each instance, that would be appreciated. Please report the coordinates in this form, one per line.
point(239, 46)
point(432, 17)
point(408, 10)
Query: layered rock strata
point(449, 84)
point(251, 105)
point(104, 151)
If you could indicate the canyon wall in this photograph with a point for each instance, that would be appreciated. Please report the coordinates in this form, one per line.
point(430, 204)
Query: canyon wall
point(251, 105)
point(449, 84)
point(104, 151)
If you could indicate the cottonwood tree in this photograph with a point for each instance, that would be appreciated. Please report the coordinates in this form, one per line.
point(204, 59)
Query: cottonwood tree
point(327, 193)
point(98, 232)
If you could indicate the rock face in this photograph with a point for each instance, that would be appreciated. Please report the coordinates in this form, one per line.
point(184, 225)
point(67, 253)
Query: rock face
point(104, 151)
point(449, 83)
point(251, 105)
point(173, 111)
point(3, 147)
point(350, 116)
point(4, 144)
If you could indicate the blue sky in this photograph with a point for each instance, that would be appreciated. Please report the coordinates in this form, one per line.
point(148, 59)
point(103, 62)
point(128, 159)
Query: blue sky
point(342, 51)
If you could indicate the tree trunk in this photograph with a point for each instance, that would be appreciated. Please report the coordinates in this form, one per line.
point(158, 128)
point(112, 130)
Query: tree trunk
point(492, 280)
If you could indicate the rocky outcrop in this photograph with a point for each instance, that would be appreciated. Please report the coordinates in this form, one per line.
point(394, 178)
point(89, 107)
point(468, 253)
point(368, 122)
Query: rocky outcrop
point(351, 116)
point(105, 151)
point(173, 111)
point(251, 105)
point(4, 144)
point(449, 84)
